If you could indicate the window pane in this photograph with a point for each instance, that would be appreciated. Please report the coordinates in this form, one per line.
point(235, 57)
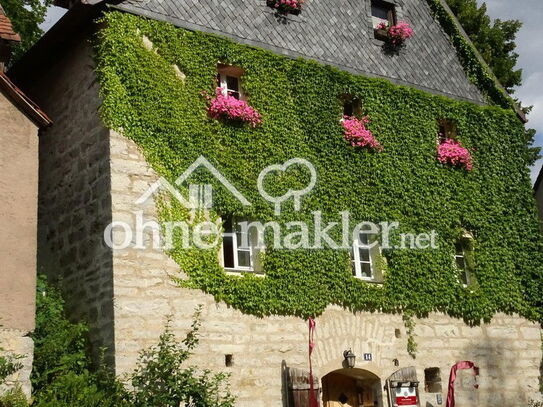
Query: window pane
point(459, 249)
point(227, 225)
point(232, 83)
point(348, 109)
point(244, 258)
point(363, 239)
point(364, 253)
point(366, 270)
point(379, 11)
point(464, 277)
point(228, 251)
point(461, 263)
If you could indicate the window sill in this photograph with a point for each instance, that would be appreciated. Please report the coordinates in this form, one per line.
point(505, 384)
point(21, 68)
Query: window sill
point(242, 272)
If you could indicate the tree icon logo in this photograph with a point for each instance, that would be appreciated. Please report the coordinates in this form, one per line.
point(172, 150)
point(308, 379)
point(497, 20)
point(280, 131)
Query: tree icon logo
point(296, 194)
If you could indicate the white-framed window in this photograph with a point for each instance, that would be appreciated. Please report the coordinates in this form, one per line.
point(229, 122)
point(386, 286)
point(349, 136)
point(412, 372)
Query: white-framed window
point(461, 247)
point(229, 80)
point(365, 256)
point(235, 255)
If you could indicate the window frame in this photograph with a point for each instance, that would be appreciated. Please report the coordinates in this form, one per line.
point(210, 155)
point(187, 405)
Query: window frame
point(229, 71)
point(391, 17)
point(253, 251)
point(465, 272)
point(357, 262)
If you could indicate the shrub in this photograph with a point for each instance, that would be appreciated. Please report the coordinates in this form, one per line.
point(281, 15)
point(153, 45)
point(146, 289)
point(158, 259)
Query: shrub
point(161, 380)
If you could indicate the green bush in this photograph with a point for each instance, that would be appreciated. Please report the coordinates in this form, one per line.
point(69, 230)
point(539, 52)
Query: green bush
point(63, 375)
point(161, 380)
point(13, 398)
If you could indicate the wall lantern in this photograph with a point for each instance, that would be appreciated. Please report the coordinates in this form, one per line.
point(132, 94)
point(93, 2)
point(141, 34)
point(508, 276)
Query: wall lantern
point(350, 358)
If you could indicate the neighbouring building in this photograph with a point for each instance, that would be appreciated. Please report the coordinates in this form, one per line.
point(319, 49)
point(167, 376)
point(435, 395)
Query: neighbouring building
point(146, 92)
point(20, 121)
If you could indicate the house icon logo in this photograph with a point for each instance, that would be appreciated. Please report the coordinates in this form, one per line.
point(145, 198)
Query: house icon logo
point(200, 196)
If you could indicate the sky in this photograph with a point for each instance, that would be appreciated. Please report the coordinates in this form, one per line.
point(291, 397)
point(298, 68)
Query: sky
point(529, 47)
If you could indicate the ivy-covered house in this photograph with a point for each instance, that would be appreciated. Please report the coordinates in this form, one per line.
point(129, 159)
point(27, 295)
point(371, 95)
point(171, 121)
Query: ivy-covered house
point(344, 174)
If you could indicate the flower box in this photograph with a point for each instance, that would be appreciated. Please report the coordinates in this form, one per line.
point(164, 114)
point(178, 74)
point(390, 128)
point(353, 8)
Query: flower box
point(286, 6)
point(356, 133)
point(452, 153)
point(227, 107)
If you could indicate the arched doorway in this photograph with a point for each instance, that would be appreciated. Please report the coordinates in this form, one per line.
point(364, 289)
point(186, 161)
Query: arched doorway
point(352, 388)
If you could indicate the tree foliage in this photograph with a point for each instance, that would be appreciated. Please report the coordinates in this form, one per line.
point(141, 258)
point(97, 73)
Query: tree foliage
point(495, 40)
point(26, 17)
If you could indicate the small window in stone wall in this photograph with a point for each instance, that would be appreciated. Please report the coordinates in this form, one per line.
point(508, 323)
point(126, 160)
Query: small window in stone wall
point(432, 380)
point(382, 12)
point(447, 130)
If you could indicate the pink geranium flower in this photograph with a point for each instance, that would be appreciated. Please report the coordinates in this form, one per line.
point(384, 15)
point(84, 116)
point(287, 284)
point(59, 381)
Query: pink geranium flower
point(230, 108)
point(451, 152)
point(356, 133)
point(286, 5)
point(398, 33)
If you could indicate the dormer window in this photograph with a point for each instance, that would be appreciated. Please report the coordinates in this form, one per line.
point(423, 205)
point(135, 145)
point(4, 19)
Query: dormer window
point(366, 257)
point(447, 130)
point(382, 12)
point(229, 80)
point(239, 251)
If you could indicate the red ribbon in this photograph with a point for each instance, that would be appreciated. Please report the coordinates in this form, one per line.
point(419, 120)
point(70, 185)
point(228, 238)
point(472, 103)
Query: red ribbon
point(459, 366)
point(312, 399)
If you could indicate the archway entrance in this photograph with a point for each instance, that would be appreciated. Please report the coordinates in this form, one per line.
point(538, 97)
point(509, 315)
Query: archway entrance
point(352, 388)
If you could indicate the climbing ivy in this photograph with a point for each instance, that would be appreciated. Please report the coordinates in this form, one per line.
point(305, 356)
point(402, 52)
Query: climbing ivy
point(301, 105)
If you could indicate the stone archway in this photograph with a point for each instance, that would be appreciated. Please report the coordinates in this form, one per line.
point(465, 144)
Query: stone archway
point(352, 388)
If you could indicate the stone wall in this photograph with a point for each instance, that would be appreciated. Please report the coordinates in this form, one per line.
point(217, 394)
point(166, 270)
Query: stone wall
point(16, 342)
point(18, 225)
point(74, 195)
point(508, 350)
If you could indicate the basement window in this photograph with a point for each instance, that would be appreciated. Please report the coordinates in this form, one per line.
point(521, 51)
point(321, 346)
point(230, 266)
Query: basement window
point(239, 250)
point(432, 380)
point(382, 12)
point(447, 130)
point(229, 80)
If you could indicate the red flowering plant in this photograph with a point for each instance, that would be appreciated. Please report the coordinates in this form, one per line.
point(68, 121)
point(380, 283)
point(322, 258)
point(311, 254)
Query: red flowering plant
point(227, 107)
point(396, 34)
point(286, 6)
point(451, 152)
point(356, 133)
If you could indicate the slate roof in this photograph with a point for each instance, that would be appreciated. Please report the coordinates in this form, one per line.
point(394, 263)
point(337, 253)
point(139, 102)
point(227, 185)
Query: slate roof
point(334, 32)
point(6, 29)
